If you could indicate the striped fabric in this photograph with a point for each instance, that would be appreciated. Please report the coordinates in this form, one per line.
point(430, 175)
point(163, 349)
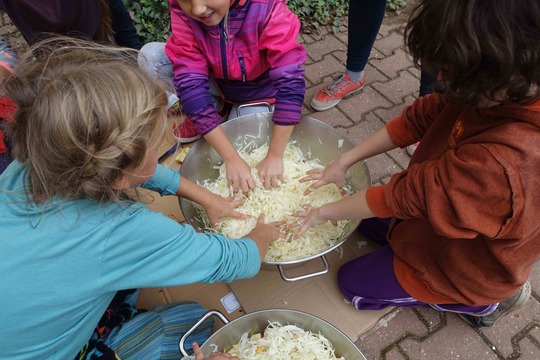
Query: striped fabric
point(155, 334)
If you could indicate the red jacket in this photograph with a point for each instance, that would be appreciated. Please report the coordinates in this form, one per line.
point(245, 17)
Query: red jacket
point(7, 110)
point(257, 58)
point(465, 227)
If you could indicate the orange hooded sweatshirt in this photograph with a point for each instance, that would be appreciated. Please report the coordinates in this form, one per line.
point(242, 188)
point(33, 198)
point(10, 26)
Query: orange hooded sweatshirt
point(466, 212)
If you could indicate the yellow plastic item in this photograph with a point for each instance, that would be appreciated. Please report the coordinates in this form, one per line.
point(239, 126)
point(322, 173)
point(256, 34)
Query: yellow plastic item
point(182, 155)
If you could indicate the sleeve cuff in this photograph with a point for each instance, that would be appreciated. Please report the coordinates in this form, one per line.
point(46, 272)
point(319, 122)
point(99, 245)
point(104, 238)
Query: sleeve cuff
point(376, 203)
point(399, 134)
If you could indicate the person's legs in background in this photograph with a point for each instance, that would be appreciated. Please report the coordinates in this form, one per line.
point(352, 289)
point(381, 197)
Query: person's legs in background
point(365, 18)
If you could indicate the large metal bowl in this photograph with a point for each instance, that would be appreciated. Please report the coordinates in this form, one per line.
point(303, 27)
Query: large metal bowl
point(312, 136)
point(257, 321)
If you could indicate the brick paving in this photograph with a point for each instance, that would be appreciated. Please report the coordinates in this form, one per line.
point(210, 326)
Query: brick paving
point(391, 83)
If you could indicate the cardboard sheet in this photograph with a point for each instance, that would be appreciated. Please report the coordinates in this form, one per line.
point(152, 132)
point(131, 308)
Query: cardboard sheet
point(319, 296)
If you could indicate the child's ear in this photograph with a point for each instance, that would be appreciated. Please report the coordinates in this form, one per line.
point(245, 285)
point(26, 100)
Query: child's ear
point(121, 183)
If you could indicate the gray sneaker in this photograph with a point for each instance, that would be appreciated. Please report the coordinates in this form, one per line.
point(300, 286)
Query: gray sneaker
point(505, 307)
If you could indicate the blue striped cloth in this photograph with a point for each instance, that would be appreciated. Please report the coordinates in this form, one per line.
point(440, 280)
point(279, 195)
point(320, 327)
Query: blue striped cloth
point(155, 334)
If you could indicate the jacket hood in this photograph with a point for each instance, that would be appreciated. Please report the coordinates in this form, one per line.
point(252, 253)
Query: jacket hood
point(528, 113)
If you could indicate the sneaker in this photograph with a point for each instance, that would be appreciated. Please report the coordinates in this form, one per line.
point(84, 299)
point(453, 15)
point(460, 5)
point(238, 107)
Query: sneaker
point(505, 307)
point(411, 149)
point(175, 109)
point(331, 95)
point(186, 132)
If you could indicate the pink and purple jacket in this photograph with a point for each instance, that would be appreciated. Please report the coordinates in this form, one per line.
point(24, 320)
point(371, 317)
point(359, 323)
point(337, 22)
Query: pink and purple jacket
point(254, 57)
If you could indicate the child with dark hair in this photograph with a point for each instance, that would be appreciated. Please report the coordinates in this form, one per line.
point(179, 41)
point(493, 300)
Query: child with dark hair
point(464, 232)
point(75, 241)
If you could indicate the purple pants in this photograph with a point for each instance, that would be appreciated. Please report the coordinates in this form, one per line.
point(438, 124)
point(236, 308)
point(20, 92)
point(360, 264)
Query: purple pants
point(370, 283)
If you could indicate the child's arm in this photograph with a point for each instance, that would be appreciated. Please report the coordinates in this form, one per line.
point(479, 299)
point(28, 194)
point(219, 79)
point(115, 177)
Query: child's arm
point(334, 172)
point(354, 207)
point(286, 58)
point(216, 207)
point(167, 181)
point(238, 171)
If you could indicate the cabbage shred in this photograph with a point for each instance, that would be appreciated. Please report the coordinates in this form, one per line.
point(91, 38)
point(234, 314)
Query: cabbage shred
point(284, 342)
point(279, 204)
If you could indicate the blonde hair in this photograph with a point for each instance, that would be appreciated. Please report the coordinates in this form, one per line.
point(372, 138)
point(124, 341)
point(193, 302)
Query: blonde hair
point(86, 112)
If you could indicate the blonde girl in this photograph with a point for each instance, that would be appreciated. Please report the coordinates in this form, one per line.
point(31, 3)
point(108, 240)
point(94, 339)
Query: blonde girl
point(74, 244)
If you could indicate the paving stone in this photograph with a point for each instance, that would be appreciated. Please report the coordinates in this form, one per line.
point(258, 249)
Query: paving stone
point(393, 354)
point(317, 50)
point(343, 36)
point(391, 65)
point(529, 350)
point(534, 278)
point(320, 72)
point(395, 325)
point(415, 71)
point(389, 44)
point(318, 35)
point(373, 75)
point(381, 166)
point(456, 340)
point(386, 29)
point(310, 93)
point(401, 157)
point(333, 117)
point(364, 129)
point(391, 113)
point(500, 334)
point(434, 319)
point(535, 334)
point(363, 102)
point(398, 89)
point(341, 55)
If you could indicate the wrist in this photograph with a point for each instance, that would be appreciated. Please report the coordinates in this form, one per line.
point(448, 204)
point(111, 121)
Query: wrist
point(343, 162)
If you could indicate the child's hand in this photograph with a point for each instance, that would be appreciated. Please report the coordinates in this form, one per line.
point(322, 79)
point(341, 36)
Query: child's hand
point(224, 207)
point(215, 355)
point(306, 219)
point(332, 173)
point(263, 234)
point(270, 171)
point(239, 175)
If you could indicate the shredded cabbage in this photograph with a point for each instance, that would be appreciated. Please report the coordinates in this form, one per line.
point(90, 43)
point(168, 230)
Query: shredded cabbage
point(279, 204)
point(284, 342)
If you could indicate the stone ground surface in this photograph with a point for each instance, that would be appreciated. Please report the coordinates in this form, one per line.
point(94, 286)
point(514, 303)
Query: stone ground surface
point(391, 83)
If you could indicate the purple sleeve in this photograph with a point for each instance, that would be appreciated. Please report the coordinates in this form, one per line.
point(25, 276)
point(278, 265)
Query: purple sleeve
point(286, 58)
point(192, 90)
point(291, 87)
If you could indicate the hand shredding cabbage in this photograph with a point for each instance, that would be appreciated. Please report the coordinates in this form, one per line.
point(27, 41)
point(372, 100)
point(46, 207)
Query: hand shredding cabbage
point(279, 204)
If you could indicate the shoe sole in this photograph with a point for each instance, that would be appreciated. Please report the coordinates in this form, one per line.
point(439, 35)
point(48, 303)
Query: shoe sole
point(323, 108)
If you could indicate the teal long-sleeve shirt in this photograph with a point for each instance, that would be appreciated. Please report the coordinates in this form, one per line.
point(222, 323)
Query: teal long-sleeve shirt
point(62, 262)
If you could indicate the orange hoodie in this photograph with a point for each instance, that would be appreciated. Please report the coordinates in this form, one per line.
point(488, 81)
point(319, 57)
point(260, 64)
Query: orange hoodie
point(465, 213)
